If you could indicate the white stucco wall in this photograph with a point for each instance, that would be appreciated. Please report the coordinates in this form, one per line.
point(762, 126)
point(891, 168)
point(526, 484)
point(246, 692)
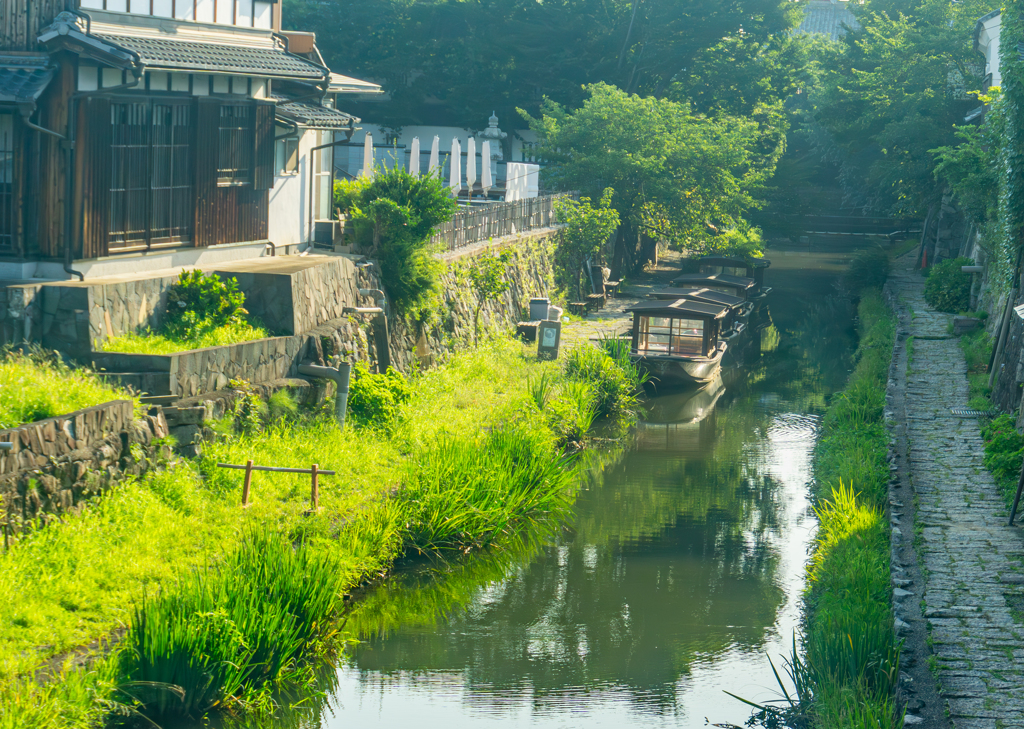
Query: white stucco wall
point(288, 219)
point(988, 44)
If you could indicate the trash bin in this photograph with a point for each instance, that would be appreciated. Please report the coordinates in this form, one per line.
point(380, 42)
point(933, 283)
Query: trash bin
point(539, 309)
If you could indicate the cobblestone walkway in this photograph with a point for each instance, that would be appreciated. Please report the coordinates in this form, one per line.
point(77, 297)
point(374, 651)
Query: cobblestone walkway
point(972, 562)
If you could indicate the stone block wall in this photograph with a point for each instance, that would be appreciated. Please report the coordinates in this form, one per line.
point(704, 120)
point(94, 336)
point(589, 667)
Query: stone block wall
point(58, 463)
point(20, 312)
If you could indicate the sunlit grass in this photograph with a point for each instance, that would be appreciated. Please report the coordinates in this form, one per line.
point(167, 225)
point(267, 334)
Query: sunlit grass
point(151, 343)
point(36, 387)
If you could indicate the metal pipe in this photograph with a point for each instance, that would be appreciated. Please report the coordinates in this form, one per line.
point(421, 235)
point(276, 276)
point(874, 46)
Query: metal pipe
point(341, 377)
point(362, 310)
point(6, 446)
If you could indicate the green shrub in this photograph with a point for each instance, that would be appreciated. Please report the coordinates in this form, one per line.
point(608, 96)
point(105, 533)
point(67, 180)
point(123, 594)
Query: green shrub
point(198, 302)
point(948, 288)
point(39, 385)
point(1004, 452)
point(393, 217)
point(376, 399)
point(868, 269)
point(347, 193)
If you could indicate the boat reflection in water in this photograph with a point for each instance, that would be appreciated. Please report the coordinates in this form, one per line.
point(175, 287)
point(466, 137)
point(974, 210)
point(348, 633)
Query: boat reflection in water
point(681, 422)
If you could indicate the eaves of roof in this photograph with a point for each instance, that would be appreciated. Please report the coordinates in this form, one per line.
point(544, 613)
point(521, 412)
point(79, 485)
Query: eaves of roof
point(262, 55)
point(313, 116)
point(23, 78)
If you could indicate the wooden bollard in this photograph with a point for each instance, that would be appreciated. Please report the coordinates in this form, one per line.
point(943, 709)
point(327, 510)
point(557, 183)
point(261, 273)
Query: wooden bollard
point(314, 496)
point(246, 484)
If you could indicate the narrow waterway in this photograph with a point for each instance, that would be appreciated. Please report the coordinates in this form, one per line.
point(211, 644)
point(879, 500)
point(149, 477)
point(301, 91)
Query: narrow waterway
point(682, 568)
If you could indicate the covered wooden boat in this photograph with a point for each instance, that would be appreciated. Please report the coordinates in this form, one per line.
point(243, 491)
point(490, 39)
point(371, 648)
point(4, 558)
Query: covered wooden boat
point(753, 268)
point(744, 288)
point(739, 309)
point(678, 343)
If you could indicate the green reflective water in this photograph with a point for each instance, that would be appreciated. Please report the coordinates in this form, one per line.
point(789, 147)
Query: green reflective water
point(682, 568)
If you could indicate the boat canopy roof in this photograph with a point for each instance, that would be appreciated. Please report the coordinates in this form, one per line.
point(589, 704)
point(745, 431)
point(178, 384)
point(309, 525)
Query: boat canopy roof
point(699, 294)
point(680, 309)
point(711, 279)
point(735, 262)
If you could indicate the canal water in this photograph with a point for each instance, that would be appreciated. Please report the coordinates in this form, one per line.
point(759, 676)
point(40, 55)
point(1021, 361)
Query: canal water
point(681, 572)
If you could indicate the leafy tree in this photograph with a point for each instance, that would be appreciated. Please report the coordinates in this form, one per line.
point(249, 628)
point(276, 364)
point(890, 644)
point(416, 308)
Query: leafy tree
point(487, 273)
point(892, 92)
point(393, 218)
point(454, 61)
point(679, 176)
point(585, 230)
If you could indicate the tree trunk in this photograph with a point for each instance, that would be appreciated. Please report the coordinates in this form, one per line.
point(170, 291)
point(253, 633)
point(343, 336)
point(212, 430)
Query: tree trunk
point(626, 240)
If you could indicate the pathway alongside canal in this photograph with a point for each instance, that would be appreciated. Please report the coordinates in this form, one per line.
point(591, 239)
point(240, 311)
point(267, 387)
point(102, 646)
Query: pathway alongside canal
point(971, 563)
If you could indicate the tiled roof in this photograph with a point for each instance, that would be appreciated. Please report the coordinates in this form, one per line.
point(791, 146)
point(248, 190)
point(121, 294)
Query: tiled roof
point(827, 17)
point(313, 116)
point(195, 56)
point(23, 78)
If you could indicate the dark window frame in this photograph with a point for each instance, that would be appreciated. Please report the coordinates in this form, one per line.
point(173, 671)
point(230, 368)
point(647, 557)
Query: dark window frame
point(152, 186)
point(236, 144)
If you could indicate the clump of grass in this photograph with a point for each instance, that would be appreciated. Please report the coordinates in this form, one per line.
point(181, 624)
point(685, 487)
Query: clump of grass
point(572, 414)
point(375, 400)
point(39, 385)
point(868, 269)
point(148, 342)
point(228, 634)
point(615, 380)
point(467, 492)
point(977, 348)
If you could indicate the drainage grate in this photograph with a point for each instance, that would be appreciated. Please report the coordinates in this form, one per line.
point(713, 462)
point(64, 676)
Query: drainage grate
point(969, 413)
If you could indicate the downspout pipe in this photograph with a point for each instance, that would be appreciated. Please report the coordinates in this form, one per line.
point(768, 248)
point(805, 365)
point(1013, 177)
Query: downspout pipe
point(6, 446)
point(341, 377)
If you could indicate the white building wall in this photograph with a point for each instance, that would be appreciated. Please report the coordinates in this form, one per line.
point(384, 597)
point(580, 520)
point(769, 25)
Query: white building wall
point(988, 44)
point(241, 13)
point(288, 218)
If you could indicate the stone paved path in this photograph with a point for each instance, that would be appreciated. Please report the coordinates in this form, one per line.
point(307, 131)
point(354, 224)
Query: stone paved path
point(972, 562)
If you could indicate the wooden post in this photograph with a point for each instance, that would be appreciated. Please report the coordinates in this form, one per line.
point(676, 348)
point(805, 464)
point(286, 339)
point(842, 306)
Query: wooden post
point(314, 497)
point(246, 483)
point(1016, 499)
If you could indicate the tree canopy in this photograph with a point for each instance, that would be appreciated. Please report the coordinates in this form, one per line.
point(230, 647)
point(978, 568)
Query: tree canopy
point(454, 61)
point(892, 93)
point(677, 175)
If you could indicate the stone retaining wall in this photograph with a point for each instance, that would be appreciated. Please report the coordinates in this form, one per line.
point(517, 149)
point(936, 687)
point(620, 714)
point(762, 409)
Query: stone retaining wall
point(59, 462)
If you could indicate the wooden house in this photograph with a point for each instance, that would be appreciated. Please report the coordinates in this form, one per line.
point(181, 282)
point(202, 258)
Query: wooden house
point(131, 128)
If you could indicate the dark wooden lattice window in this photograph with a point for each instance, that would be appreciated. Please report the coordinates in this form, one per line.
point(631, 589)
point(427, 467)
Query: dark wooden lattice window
point(7, 223)
point(151, 177)
point(237, 145)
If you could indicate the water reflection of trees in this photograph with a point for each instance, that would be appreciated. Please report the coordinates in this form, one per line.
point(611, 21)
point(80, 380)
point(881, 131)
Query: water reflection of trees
point(671, 563)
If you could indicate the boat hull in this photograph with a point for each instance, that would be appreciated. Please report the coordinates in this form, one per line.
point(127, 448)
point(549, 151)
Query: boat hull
point(671, 371)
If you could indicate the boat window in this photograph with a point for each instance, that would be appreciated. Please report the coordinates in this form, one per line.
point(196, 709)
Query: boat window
point(662, 335)
point(728, 270)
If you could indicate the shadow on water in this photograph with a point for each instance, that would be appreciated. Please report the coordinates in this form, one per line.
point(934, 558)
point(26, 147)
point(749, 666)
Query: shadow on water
point(682, 567)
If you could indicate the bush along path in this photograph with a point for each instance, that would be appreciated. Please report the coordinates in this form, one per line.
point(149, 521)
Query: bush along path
point(958, 569)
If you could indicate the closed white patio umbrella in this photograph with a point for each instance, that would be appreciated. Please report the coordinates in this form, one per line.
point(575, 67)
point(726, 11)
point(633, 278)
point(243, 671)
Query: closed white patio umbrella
point(470, 164)
point(435, 161)
point(414, 157)
point(455, 178)
point(367, 170)
point(486, 179)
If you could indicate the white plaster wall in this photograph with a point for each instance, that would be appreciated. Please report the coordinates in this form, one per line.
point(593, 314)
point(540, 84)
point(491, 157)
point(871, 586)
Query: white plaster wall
point(288, 218)
point(988, 44)
point(243, 13)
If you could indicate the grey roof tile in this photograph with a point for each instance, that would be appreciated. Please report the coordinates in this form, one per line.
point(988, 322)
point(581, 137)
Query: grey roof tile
point(23, 78)
point(196, 56)
point(827, 17)
point(314, 116)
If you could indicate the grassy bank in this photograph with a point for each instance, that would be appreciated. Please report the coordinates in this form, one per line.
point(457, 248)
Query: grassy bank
point(153, 343)
point(473, 456)
point(846, 678)
point(851, 662)
point(39, 385)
